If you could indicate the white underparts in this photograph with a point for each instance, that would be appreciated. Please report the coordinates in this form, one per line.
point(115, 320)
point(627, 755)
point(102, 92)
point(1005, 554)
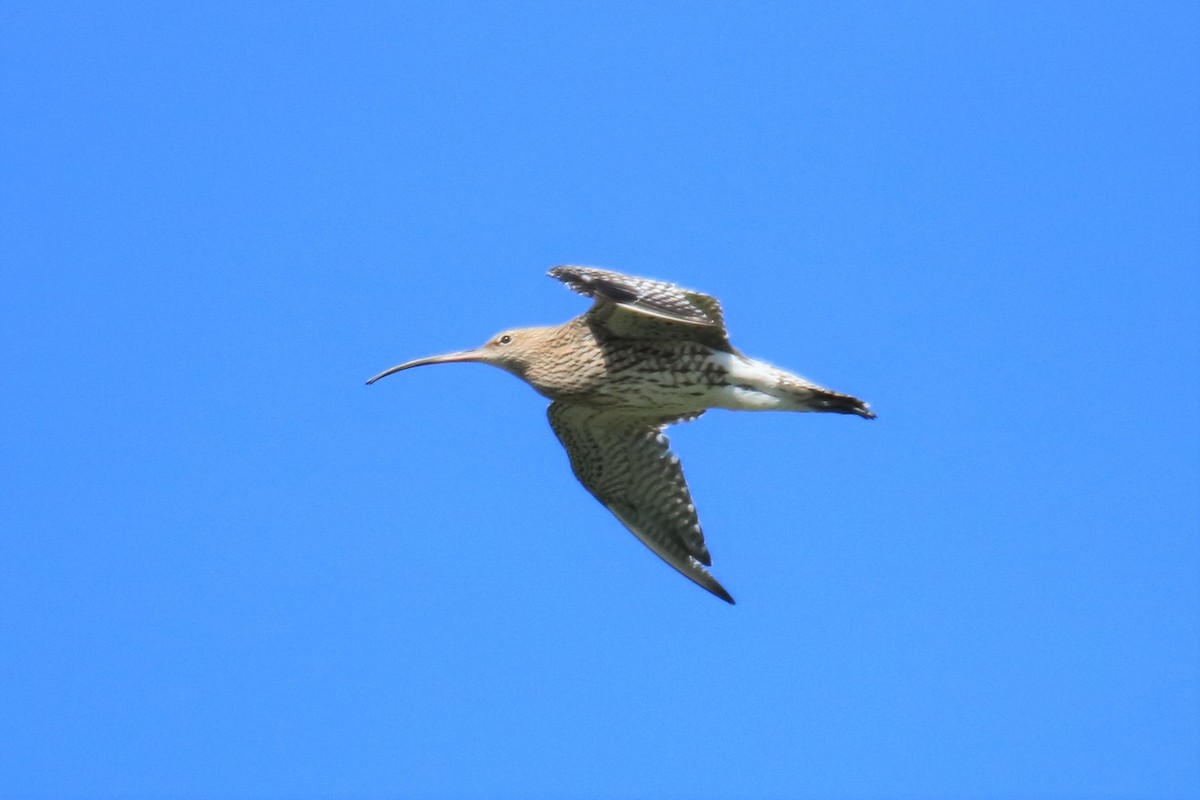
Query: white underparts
point(755, 386)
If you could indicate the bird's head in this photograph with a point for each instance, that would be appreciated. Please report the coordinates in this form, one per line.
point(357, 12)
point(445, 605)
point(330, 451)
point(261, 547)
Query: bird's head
point(511, 351)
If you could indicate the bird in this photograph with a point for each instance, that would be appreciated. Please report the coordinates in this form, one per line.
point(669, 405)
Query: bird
point(645, 355)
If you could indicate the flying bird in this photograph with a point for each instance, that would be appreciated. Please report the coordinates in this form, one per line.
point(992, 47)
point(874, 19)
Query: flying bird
point(647, 354)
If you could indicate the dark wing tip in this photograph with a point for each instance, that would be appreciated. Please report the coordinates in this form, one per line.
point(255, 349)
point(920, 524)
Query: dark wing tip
point(601, 284)
point(565, 272)
point(643, 295)
point(590, 280)
point(720, 592)
point(706, 581)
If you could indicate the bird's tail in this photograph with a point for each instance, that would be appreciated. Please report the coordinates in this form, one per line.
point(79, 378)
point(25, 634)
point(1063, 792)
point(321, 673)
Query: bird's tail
point(816, 398)
point(841, 404)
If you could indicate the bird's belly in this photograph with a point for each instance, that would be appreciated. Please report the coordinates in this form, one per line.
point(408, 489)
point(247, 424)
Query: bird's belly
point(718, 380)
point(671, 380)
point(664, 385)
point(676, 392)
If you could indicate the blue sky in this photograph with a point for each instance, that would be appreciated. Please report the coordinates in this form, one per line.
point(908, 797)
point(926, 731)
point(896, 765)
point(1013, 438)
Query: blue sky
point(229, 569)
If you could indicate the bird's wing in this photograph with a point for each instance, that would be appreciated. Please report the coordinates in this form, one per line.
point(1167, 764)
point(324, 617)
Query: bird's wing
point(640, 308)
point(626, 462)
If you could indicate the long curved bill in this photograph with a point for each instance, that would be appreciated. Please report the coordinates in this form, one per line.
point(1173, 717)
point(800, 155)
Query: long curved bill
point(448, 358)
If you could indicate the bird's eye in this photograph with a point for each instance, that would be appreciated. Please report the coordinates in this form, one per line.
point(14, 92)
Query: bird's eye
point(505, 339)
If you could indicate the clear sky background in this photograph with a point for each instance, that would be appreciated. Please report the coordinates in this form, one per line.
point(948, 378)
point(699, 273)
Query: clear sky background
point(230, 569)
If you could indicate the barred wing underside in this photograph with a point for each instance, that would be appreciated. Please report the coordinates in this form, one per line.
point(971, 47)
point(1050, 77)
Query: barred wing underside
point(625, 461)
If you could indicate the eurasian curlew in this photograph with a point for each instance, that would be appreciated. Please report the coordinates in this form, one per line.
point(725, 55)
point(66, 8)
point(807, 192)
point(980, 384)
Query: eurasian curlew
point(645, 355)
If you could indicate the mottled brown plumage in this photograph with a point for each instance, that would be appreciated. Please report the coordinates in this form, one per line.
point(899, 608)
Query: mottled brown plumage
point(645, 355)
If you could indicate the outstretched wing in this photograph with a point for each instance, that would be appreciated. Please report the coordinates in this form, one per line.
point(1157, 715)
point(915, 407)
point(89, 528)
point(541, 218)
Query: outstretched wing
point(625, 461)
point(640, 308)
